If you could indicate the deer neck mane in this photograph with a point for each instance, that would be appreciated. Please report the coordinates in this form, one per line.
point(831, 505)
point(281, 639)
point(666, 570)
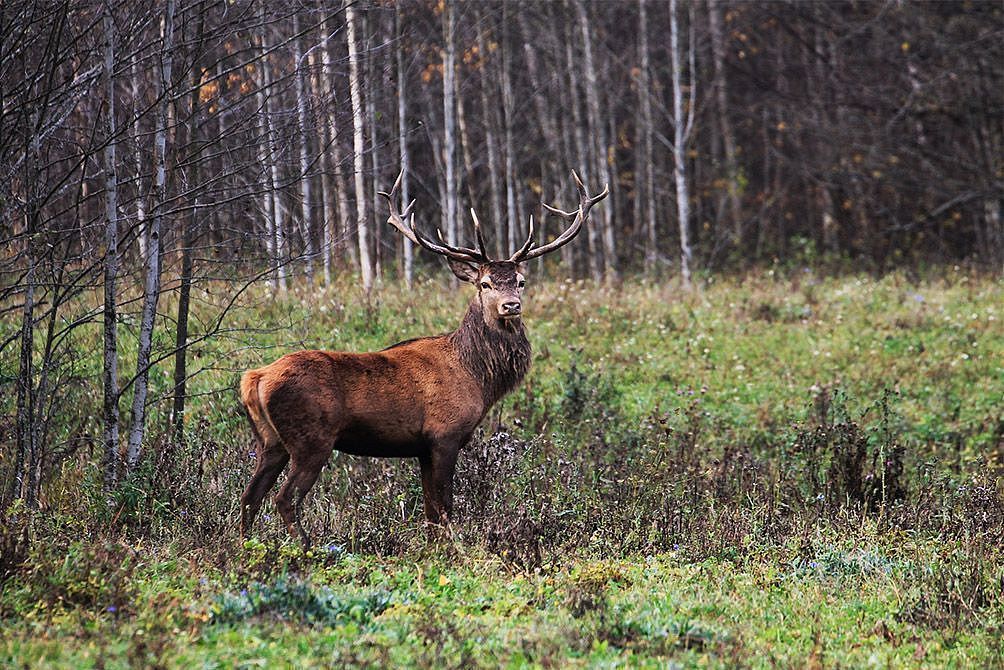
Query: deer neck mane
point(497, 357)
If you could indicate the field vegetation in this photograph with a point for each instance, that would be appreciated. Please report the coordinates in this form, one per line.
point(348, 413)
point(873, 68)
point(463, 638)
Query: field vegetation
point(780, 469)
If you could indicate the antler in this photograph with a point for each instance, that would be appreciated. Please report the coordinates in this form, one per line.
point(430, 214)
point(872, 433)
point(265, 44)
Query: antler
point(577, 218)
point(405, 224)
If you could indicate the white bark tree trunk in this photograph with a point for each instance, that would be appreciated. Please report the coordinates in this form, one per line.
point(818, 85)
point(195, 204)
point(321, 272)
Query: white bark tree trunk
point(599, 139)
point(682, 126)
point(583, 149)
point(372, 77)
point(343, 236)
point(306, 203)
point(110, 418)
point(271, 206)
point(646, 176)
point(508, 111)
point(324, 160)
point(151, 291)
point(495, 177)
point(402, 130)
point(449, 121)
point(365, 265)
point(141, 229)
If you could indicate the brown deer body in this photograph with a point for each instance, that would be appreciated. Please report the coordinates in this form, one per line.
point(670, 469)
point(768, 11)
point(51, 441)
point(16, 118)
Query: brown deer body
point(422, 398)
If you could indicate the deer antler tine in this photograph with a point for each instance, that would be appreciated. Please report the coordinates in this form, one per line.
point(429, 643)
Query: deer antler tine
point(577, 218)
point(568, 216)
point(578, 182)
point(398, 219)
point(522, 252)
point(605, 193)
point(405, 224)
point(478, 235)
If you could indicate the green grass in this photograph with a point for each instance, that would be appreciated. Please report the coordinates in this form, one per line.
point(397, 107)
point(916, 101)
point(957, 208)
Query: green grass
point(770, 471)
point(448, 610)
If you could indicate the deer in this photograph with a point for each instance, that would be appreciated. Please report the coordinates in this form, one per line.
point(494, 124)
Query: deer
point(421, 398)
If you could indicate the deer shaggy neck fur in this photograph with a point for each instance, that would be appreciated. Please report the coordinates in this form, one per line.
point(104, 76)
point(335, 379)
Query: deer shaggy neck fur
point(496, 352)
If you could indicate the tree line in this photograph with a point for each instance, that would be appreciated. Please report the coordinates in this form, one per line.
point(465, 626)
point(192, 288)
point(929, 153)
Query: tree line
point(148, 146)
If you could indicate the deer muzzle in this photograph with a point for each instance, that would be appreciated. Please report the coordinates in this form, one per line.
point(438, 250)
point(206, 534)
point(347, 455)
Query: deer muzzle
point(510, 309)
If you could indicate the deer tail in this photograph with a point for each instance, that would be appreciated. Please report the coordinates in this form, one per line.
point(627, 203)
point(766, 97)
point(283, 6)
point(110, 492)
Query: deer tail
point(261, 422)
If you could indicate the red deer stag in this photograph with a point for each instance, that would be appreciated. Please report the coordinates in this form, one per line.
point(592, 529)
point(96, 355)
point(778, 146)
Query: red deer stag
point(421, 398)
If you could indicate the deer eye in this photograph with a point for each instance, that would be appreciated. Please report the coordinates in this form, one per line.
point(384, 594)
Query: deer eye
point(521, 283)
point(485, 285)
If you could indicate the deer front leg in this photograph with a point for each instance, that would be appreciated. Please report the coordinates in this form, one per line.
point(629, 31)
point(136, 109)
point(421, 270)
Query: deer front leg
point(437, 483)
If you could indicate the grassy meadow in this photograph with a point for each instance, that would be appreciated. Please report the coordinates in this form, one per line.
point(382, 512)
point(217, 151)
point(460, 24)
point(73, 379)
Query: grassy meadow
point(776, 470)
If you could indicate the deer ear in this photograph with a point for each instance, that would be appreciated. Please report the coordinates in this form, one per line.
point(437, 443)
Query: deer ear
point(464, 270)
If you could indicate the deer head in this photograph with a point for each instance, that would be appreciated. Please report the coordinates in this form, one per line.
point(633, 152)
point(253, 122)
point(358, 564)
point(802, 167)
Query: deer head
point(499, 283)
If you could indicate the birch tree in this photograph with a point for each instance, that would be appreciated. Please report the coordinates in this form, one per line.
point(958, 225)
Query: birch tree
point(110, 428)
point(583, 149)
point(449, 121)
point(645, 172)
point(402, 131)
point(508, 115)
point(264, 150)
point(601, 167)
point(683, 125)
point(343, 234)
point(306, 204)
point(151, 289)
point(328, 196)
point(358, 145)
point(491, 123)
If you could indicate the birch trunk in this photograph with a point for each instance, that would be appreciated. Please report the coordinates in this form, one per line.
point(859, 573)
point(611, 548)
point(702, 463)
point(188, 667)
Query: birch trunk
point(265, 159)
point(646, 174)
point(365, 265)
point(343, 237)
point(141, 231)
point(551, 173)
point(279, 236)
point(402, 129)
point(306, 211)
point(467, 176)
point(583, 150)
point(491, 138)
point(449, 121)
point(681, 132)
point(151, 291)
point(508, 110)
point(324, 160)
point(599, 139)
point(110, 418)
point(372, 77)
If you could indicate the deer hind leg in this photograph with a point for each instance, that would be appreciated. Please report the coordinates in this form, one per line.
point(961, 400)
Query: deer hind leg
point(302, 475)
point(272, 458)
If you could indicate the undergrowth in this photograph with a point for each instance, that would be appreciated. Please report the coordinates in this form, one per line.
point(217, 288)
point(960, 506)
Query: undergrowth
point(791, 440)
